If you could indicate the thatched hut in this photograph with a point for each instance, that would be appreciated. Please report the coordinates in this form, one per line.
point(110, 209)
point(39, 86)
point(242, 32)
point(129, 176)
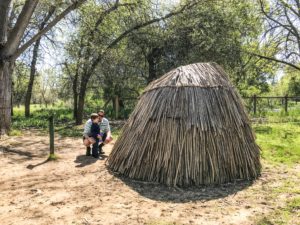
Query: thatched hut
point(188, 128)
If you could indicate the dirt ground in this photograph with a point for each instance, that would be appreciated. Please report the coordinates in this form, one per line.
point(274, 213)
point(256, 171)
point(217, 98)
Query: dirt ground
point(76, 189)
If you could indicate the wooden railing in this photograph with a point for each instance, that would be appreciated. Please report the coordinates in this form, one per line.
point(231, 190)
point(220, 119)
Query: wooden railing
point(284, 99)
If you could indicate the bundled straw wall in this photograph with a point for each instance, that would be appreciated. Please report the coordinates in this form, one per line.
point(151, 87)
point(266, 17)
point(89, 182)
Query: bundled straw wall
point(188, 128)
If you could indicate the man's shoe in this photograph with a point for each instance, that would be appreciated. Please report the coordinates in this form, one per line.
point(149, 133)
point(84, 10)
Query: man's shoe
point(88, 151)
point(101, 152)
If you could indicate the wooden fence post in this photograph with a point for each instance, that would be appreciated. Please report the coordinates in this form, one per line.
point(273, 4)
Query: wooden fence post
point(254, 104)
point(51, 133)
point(286, 103)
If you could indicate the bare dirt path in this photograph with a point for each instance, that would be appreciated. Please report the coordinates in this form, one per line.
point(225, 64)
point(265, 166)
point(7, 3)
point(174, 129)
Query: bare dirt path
point(80, 190)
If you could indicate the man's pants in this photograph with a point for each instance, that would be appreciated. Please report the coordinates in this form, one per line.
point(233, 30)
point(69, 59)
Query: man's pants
point(103, 139)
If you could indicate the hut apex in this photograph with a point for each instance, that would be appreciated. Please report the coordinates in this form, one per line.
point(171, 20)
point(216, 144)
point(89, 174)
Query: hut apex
point(189, 128)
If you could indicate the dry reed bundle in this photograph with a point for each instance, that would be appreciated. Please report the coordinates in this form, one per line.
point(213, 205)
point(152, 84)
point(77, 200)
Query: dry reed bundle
point(188, 128)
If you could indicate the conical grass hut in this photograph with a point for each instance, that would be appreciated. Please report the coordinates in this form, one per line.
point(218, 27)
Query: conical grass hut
point(188, 128)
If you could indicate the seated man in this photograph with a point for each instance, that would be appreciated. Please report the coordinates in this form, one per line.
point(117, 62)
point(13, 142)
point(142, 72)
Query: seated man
point(88, 136)
point(104, 129)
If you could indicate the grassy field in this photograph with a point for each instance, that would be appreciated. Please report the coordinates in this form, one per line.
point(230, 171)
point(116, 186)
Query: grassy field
point(277, 133)
point(279, 142)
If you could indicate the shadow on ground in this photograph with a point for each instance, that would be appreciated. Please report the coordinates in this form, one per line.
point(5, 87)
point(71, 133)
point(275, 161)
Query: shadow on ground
point(25, 147)
point(159, 192)
point(84, 160)
point(31, 166)
point(7, 150)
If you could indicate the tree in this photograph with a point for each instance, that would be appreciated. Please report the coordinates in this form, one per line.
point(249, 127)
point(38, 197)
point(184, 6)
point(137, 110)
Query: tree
point(220, 31)
point(20, 82)
point(47, 87)
point(282, 19)
point(101, 36)
point(71, 67)
point(121, 82)
point(289, 84)
point(11, 47)
point(34, 60)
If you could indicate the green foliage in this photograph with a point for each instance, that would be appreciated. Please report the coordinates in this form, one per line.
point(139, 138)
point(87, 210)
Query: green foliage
point(115, 133)
point(39, 117)
point(220, 31)
point(97, 68)
point(289, 84)
point(20, 82)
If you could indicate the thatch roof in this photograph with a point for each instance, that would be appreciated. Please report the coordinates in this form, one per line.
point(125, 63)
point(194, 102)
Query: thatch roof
point(188, 128)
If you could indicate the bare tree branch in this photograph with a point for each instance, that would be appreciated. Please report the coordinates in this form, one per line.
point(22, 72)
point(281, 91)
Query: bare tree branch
point(50, 25)
point(18, 30)
point(275, 60)
point(287, 27)
point(287, 5)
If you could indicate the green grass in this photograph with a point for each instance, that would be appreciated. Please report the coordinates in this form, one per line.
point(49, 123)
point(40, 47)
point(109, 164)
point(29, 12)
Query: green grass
point(53, 157)
point(293, 115)
point(279, 142)
point(15, 132)
point(63, 119)
point(282, 215)
point(115, 133)
point(39, 117)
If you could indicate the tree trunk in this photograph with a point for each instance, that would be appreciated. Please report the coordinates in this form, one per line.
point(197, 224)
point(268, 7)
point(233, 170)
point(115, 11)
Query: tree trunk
point(5, 96)
point(117, 107)
point(152, 59)
point(75, 105)
point(11, 99)
point(79, 115)
point(81, 99)
point(10, 49)
point(33, 63)
point(32, 76)
point(151, 70)
point(106, 103)
point(75, 96)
